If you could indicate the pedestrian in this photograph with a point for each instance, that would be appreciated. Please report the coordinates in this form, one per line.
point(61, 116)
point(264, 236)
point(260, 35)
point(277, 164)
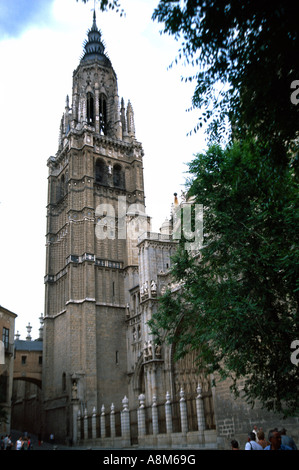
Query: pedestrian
point(261, 439)
point(275, 441)
point(5, 442)
point(19, 443)
point(252, 444)
point(235, 445)
point(255, 432)
point(52, 438)
point(287, 440)
point(9, 443)
point(25, 444)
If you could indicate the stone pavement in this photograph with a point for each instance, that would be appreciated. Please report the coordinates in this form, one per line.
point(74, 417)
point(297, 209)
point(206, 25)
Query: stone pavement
point(46, 445)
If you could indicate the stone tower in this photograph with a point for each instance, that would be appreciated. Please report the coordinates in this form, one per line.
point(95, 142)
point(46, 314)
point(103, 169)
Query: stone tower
point(95, 213)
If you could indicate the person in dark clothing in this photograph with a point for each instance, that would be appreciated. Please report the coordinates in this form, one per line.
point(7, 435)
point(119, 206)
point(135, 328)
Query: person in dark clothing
point(287, 440)
point(275, 442)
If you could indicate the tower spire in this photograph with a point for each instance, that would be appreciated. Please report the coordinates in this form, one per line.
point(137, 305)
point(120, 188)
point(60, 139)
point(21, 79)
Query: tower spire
point(94, 25)
point(93, 46)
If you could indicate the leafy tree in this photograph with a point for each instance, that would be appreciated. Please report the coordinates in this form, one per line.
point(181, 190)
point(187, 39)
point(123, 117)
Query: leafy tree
point(108, 5)
point(244, 57)
point(238, 302)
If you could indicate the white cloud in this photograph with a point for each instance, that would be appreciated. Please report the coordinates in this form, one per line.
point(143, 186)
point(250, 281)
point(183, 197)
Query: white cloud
point(18, 16)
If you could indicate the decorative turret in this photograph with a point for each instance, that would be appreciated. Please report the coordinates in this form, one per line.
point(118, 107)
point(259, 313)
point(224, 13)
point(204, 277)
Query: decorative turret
point(130, 120)
point(28, 328)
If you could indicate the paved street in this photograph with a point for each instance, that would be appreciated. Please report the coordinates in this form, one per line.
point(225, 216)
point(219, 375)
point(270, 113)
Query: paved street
point(46, 445)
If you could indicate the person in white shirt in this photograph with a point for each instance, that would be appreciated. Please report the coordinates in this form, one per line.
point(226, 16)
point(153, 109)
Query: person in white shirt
point(252, 444)
point(255, 432)
point(19, 444)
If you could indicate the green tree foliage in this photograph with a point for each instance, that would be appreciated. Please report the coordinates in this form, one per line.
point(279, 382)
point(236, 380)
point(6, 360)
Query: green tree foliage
point(238, 303)
point(244, 57)
point(107, 5)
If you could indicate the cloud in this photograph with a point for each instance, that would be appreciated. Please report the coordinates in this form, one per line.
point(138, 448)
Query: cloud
point(18, 15)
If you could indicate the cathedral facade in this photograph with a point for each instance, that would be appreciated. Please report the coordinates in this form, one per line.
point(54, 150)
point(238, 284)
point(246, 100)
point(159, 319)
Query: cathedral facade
point(101, 277)
point(105, 271)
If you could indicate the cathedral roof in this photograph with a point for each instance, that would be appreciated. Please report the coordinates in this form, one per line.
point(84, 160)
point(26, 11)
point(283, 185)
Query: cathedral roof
point(22, 345)
point(93, 46)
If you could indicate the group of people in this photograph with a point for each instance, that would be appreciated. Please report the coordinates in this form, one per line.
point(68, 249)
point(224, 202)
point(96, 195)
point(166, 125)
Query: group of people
point(277, 440)
point(23, 443)
point(6, 442)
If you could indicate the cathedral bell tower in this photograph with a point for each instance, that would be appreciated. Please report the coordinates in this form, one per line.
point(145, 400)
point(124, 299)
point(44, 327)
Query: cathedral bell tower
point(95, 203)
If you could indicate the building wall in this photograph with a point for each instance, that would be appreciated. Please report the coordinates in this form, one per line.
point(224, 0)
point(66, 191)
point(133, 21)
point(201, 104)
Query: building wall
point(7, 327)
point(95, 195)
point(26, 396)
point(235, 418)
point(26, 407)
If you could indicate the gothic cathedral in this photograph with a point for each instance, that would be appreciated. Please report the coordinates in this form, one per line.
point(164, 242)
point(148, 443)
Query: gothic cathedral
point(101, 273)
point(105, 271)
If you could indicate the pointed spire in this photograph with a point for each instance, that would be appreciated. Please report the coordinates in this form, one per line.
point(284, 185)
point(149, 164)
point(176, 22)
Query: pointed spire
point(123, 117)
point(93, 46)
point(130, 120)
point(94, 25)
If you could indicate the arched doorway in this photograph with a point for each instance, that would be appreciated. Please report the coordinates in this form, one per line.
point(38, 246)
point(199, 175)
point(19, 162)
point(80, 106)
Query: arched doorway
point(26, 409)
point(185, 376)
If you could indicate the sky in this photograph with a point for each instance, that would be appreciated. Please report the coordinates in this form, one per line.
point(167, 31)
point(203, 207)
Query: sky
point(41, 42)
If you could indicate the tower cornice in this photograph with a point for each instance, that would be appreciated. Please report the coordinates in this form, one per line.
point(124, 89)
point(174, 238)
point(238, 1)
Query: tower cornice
point(76, 139)
point(92, 64)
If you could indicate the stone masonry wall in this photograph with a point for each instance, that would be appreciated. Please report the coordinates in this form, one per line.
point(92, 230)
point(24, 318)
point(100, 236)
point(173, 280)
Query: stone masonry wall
point(235, 418)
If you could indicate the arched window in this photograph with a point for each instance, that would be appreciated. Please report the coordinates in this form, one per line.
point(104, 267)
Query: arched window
point(90, 108)
point(103, 114)
point(118, 177)
point(101, 172)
